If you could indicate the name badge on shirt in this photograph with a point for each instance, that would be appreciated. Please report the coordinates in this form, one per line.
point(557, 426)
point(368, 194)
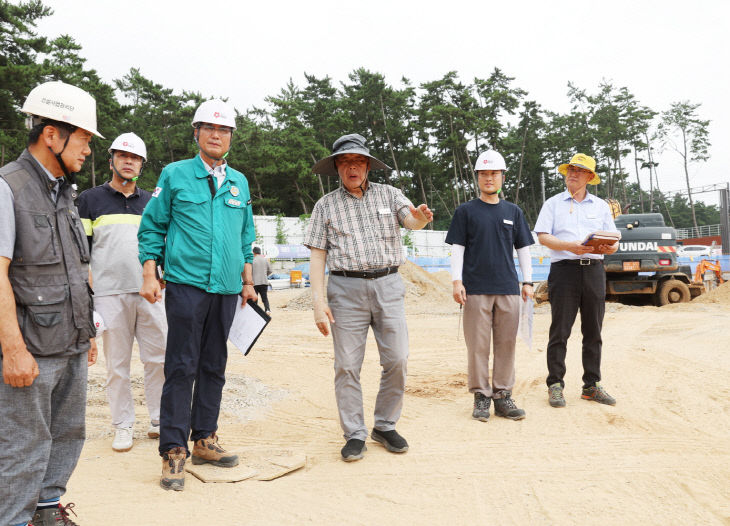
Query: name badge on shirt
point(384, 211)
point(508, 221)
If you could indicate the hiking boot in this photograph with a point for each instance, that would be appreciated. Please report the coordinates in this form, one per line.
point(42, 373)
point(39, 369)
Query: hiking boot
point(207, 450)
point(122, 439)
point(57, 516)
point(507, 408)
point(353, 450)
point(598, 394)
point(556, 397)
point(392, 441)
point(173, 469)
point(481, 407)
point(153, 431)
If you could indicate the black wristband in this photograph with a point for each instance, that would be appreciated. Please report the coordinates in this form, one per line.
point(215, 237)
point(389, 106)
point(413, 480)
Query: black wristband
point(530, 283)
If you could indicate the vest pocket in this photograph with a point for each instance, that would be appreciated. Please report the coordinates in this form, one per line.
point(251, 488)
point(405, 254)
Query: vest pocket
point(43, 314)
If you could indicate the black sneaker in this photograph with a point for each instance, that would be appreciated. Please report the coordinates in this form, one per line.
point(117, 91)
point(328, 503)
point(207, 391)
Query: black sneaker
point(56, 516)
point(506, 407)
point(353, 450)
point(392, 441)
point(481, 407)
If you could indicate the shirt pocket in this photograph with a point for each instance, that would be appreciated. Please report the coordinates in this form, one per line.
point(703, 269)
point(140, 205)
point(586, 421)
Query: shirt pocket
point(387, 222)
point(506, 233)
point(44, 318)
point(36, 239)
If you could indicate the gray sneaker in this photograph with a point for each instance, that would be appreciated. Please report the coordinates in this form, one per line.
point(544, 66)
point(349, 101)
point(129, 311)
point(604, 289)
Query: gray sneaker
point(506, 407)
point(598, 394)
point(481, 407)
point(57, 516)
point(556, 397)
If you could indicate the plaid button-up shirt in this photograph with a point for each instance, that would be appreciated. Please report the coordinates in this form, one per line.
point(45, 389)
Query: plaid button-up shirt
point(359, 234)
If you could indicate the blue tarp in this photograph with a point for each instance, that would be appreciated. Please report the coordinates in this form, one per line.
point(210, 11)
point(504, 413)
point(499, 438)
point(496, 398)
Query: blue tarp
point(541, 268)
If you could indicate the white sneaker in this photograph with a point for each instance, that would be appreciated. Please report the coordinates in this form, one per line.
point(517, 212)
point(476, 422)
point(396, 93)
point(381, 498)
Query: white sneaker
point(122, 439)
point(154, 431)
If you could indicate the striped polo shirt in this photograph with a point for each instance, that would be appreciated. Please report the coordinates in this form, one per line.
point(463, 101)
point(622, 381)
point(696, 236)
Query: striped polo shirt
point(111, 220)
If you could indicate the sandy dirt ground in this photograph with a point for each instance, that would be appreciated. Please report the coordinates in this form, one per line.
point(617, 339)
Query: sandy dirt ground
point(661, 455)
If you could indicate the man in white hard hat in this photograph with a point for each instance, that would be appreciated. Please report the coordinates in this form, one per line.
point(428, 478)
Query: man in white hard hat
point(111, 214)
point(577, 279)
point(356, 230)
point(46, 322)
point(200, 222)
point(483, 234)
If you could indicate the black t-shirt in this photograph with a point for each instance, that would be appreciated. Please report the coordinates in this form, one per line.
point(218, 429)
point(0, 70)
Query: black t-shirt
point(489, 233)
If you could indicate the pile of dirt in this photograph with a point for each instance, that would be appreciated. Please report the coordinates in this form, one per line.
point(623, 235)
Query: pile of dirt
point(422, 289)
point(720, 294)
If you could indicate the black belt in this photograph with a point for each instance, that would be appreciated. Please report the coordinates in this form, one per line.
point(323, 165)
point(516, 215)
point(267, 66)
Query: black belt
point(365, 274)
point(581, 262)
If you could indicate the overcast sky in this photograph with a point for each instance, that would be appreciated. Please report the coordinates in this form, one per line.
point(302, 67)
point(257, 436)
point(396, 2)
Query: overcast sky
point(662, 51)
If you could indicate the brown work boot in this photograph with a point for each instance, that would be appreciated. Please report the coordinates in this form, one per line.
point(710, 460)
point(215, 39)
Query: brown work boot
point(207, 450)
point(173, 469)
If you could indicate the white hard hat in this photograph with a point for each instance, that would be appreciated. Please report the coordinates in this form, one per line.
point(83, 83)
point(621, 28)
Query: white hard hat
point(62, 102)
point(215, 111)
point(490, 160)
point(129, 142)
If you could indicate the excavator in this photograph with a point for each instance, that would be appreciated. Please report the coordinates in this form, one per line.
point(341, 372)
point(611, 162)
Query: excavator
point(704, 265)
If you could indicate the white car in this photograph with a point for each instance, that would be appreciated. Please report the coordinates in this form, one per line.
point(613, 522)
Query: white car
point(279, 280)
point(694, 251)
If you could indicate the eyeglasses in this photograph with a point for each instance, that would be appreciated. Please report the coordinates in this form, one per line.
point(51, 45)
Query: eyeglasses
point(222, 130)
point(357, 163)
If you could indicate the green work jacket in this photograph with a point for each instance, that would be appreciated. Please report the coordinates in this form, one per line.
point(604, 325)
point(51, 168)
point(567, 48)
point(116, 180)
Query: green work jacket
point(203, 241)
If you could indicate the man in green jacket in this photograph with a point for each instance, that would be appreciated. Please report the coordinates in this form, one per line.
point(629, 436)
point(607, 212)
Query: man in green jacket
point(199, 224)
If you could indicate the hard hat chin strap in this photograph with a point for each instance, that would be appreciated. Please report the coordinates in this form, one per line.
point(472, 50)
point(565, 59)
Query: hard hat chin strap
point(125, 180)
point(71, 176)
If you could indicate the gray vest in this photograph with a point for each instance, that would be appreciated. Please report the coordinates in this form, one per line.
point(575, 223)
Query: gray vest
point(49, 271)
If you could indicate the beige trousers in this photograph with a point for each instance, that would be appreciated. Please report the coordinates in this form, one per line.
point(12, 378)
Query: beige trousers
point(487, 318)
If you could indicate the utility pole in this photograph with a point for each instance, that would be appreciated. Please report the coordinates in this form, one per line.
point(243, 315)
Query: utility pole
point(542, 183)
point(725, 219)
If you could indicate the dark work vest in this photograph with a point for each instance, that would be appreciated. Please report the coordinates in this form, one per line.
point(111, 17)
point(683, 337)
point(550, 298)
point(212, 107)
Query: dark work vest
point(49, 272)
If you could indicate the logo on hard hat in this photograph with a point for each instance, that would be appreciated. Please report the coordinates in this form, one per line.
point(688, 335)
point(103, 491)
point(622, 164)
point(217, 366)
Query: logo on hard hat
point(217, 114)
point(125, 143)
point(486, 161)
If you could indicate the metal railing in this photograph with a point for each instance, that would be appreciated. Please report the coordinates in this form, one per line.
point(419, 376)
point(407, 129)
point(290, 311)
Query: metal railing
point(702, 231)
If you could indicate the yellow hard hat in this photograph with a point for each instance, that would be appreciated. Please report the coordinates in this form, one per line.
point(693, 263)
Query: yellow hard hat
point(584, 161)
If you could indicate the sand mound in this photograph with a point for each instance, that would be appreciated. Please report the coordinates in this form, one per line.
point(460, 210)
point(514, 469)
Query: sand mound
point(720, 294)
point(420, 285)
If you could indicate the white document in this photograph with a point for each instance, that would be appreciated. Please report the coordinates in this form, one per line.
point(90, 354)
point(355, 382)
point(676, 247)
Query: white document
point(527, 311)
point(248, 324)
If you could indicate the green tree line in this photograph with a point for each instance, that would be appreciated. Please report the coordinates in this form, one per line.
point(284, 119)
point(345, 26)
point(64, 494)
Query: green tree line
point(429, 133)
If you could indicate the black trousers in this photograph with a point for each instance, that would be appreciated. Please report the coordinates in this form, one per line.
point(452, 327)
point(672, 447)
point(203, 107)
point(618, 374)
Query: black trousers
point(573, 287)
point(263, 292)
point(195, 363)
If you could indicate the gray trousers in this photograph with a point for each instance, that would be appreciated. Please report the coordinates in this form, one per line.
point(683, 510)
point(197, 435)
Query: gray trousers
point(356, 305)
point(130, 316)
point(491, 320)
point(42, 432)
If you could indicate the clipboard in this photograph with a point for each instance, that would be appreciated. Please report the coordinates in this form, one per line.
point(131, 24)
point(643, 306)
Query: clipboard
point(601, 237)
point(248, 324)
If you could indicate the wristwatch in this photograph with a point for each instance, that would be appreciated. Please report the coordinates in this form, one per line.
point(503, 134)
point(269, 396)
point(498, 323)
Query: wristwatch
point(530, 283)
